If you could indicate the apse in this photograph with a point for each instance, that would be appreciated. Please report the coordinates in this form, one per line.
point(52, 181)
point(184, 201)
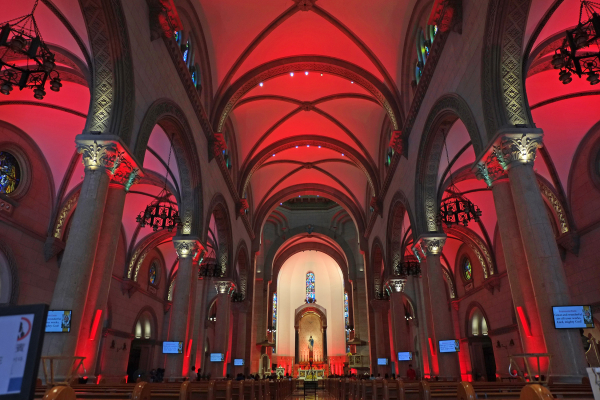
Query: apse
point(329, 294)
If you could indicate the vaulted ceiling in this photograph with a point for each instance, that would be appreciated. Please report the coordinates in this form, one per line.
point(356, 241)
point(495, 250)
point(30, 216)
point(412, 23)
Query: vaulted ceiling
point(308, 86)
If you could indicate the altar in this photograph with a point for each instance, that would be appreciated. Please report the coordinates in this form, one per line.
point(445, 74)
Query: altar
point(311, 374)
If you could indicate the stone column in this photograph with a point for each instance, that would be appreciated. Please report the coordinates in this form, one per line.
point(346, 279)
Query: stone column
point(399, 329)
point(443, 329)
point(124, 175)
point(526, 310)
point(72, 284)
point(223, 326)
point(516, 153)
point(187, 249)
point(199, 325)
point(297, 344)
point(241, 341)
point(380, 308)
point(324, 344)
point(426, 364)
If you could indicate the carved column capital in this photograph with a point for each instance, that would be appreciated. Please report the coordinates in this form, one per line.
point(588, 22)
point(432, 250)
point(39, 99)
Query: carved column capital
point(517, 148)
point(489, 170)
point(225, 287)
point(395, 285)
point(187, 246)
point(97, 154)
point(431, 244)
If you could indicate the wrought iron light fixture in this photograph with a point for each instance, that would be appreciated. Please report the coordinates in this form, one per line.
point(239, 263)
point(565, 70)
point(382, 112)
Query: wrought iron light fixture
point(458, 210)
point(162, 212)
point(571, 57)
point(408, 268)
point(25, 60)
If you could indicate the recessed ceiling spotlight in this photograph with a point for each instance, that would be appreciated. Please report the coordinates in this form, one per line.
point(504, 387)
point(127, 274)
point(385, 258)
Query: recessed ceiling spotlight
point(308, 145)
point(260, 84)
point(351, 81)
point(321, 74)
point(305, 72)
point(342, 154)
point(273, 155)
point(299, 196)
point(319, 146)
point(296, 146)
point(280, 204)
point(291, 74)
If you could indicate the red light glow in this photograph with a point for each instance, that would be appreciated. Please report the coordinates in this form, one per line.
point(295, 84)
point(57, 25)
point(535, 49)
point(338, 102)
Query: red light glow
point(524, 321)
point(95, 324)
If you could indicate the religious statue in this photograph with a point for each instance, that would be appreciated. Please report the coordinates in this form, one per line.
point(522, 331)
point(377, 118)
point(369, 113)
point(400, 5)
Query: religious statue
point(311, 343)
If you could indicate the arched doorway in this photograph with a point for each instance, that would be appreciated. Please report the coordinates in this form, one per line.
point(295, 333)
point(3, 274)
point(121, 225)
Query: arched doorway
point(481, 349)
point(141, 353)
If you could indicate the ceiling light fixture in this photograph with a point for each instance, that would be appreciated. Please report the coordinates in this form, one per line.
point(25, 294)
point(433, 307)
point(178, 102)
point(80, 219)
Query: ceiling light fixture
point(319, 146)
point(296, 146)
point(342, 154)
point(291, 74)
point(352, 82)
point(571, 57)
point(260, 84)
point(305, 72)
point(25, 60)
point(308, 145)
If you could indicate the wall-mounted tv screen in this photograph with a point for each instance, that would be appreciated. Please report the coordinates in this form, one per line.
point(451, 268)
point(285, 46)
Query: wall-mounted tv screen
point(172, 347)
point(58, 321)
point(217, 357)
point(238, 361)
point(449, 346)
point(573, 317)
point(404, 356)
point(382, 361)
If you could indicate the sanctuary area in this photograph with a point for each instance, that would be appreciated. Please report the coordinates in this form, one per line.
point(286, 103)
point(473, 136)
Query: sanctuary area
point(309, 192)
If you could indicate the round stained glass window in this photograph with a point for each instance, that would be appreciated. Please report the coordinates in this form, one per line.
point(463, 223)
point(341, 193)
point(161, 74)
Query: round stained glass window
point(467, 269)
point(10, 173)
point(152, 273)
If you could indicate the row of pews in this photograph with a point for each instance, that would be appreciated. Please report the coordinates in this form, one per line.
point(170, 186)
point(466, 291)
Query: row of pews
point(345, 389)
point(203, 390)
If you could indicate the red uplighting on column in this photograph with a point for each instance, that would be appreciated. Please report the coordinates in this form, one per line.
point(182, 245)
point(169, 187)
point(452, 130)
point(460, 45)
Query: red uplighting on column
point(524, 321)
point(189, 349)
point(431, 347)
point(95, 324)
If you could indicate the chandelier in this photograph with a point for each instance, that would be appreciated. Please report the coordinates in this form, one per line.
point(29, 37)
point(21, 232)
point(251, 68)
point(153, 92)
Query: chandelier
point(457, 210)
point(571, 56)
point(408, 268)
point(162, 212)
point(25, 60)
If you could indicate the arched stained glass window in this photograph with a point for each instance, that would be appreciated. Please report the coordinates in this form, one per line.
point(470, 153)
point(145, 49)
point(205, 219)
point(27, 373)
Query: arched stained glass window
point(10, 173)
point(346, 316)
point(178, 37)
point(152, 273)
point(274, 321)
point(467, 269)
point(310, 287)
point(186, 51)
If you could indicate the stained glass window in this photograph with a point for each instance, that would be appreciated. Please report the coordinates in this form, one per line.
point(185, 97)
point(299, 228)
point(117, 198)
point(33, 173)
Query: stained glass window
point(186, 50)
point(152, 273)
point(346, 316)
point(310, 287)
point(178, 37)
point(274, 319)
point(10, 173)
point(467, 269)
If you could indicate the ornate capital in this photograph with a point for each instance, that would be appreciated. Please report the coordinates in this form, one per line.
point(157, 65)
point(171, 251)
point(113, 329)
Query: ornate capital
point(187, 246)
point(432, 244)
point(164, 20)
point(97, 154)
point(242, 206)
point(218, 144)
point(517, 148)
point(396, 142)
point(124, 171)
point(396, 285)
point(489, 170)
point(225, 287)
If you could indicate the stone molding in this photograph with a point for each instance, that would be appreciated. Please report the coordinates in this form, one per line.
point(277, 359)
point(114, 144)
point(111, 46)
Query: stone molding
point(224, 287)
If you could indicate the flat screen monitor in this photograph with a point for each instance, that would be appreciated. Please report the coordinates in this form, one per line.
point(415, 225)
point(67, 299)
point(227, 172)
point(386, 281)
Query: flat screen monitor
point(172, 347)
point(58, 321)
point(217, 357)
point(21, 335)
point(238, 361)
point(449, 346)
point(573, 317)
point(404, 356)
point(382, 361)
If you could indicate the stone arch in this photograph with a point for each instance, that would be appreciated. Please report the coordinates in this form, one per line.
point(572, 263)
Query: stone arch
point(112, 103)
point(9, 276)
point(399, 207)
point(377, 268)
point(503, 81)
point(171, 118)
point(477, 245)
point(270, 257)
point(149, 310)
point(310, 308)
point(442, 116)
point(141, 250)
point(219, 209)
point(473, 307)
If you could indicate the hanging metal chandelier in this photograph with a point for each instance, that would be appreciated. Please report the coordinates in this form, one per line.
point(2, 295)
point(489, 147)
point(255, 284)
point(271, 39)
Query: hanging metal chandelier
point(162, 212)
point(575, 55)
point(458, 210)
point(408, 268)
point(25, 60)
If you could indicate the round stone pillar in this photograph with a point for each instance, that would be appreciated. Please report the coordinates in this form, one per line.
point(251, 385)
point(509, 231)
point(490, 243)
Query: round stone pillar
point(223, 327)
point(516, 153)
point(431, 247)
point(72, 284)
point(187, 249)
point(400, 338)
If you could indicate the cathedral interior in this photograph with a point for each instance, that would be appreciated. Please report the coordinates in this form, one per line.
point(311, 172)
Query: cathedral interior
point(303, 188)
